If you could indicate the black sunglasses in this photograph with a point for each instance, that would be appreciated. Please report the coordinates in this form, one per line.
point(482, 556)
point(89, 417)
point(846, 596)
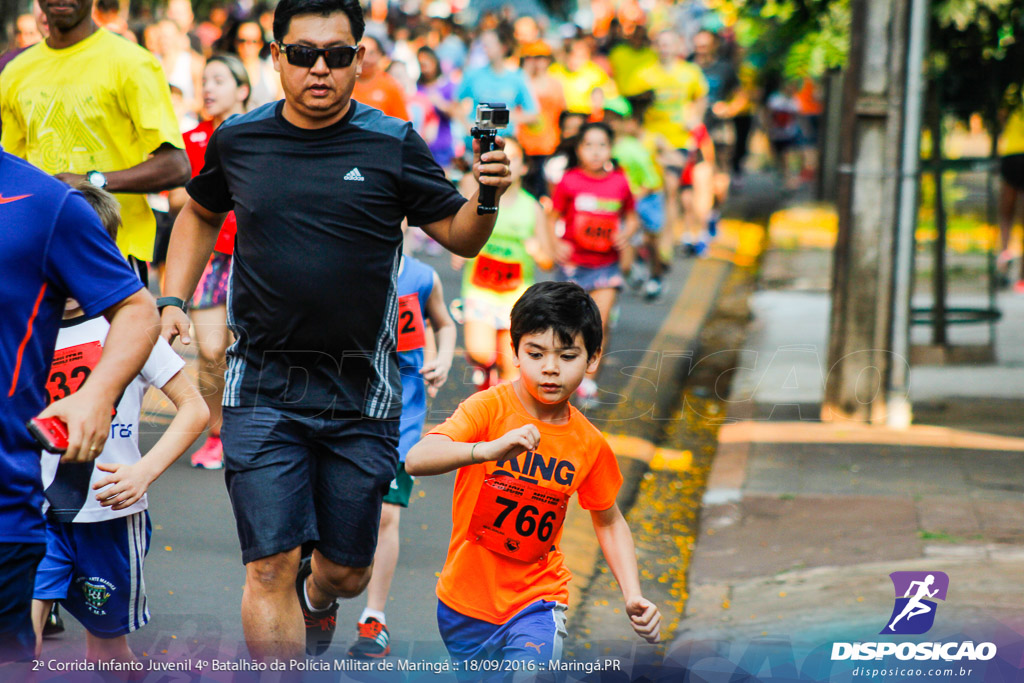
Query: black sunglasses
point(306, 57)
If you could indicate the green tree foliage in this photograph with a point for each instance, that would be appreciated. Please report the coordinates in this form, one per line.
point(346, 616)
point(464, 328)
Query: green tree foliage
point(795, 38)
point(976, 47)
point(977, 55)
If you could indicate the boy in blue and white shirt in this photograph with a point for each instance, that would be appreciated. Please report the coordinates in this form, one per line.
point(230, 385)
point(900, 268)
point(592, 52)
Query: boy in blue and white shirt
point(97, 526)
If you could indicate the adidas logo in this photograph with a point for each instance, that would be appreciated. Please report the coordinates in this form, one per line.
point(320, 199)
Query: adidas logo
point(354, 174)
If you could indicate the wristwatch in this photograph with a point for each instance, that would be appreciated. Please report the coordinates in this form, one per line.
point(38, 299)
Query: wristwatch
point(165, 301)
point(96, 178)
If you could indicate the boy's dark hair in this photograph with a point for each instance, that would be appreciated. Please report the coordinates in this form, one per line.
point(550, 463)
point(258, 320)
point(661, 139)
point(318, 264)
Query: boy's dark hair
point(562, 307)
point(287, 9)
point(104, 204)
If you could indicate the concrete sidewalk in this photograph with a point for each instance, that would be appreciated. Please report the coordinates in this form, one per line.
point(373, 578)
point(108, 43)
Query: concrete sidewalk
point(802, 522)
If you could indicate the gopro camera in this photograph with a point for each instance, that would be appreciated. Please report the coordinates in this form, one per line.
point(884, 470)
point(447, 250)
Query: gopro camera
point(490, 118)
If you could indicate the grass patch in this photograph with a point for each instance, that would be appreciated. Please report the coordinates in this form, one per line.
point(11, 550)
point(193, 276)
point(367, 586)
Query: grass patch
point(937, 536)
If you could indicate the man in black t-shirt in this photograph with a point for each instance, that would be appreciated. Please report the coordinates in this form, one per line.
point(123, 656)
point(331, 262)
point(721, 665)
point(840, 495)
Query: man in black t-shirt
point(319, 184)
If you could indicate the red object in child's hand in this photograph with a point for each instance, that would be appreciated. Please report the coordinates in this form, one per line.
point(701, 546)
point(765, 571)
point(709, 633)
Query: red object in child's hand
point(50, 432)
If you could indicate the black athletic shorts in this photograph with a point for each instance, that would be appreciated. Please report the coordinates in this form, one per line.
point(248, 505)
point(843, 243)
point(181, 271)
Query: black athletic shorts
point(141, 269)
point(294, 479)
point(1011, 167)
point(164, 223)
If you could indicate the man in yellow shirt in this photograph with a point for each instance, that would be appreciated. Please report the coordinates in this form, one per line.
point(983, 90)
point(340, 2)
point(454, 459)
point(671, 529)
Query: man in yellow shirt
point(677, 91)
point(86, 104)
point(628, 59)
point(585, 84)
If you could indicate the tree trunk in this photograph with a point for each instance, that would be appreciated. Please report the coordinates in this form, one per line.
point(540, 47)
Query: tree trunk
point(860, 338)
point(939, 265)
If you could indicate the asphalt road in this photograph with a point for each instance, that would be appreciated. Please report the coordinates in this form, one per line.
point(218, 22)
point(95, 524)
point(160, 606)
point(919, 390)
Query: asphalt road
point(194, 574)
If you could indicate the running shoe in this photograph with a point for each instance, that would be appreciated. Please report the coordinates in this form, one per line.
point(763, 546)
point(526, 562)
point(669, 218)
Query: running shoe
point(586, 393)
point(372, 642)
point(713, 219)
point(209, 456)
point(700, 249)
point(320, 624)
point(54, 624)
point(652, 290)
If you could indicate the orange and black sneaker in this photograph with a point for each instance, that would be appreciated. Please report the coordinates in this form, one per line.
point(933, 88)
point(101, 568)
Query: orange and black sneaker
point(321, 624)
point(372, 642)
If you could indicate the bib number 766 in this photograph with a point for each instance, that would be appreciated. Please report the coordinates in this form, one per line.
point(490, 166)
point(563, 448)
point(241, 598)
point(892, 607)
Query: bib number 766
point(527, 522)
point(516, 518)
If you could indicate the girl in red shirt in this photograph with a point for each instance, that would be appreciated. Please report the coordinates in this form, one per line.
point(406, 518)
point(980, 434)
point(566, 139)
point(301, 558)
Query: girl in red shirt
point(225, 93)
point(591, 221)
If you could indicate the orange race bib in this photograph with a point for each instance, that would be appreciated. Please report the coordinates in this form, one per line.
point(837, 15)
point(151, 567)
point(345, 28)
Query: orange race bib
point(516, 518)
point(499, 276)
point(71, 367)
point(410, 323)
point(595, 231)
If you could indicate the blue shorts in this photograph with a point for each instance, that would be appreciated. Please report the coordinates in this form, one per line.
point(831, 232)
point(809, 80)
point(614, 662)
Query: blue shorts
point(590, 279)
point(410, 427)
point(95, 569)
point(17, 572)
point(535, 633)
point(651, 210)
point(295, 479)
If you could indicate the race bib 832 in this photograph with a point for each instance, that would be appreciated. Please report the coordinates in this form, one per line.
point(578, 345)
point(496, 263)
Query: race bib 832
point(71, 367)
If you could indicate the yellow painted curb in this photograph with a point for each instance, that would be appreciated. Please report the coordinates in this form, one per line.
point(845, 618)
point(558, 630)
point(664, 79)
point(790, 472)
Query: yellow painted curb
point(671, 460)
point(658, 459)
point(738, 241)
point(804, 226)
point(626, 446)
point(924, 436)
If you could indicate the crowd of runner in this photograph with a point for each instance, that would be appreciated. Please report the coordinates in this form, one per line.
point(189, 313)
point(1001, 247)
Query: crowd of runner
point(625, 137)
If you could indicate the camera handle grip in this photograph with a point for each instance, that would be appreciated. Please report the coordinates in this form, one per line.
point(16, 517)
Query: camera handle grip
point(486, 200)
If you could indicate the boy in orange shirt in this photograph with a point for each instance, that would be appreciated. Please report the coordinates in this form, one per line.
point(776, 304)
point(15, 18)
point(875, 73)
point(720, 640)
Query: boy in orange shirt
point(522, 450)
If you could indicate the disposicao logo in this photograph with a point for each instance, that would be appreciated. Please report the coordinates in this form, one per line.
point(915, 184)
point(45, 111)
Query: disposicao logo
point(913, 614)
point(916, 592)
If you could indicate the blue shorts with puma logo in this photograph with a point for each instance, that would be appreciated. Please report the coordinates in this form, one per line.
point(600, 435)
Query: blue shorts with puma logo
point(535, 633)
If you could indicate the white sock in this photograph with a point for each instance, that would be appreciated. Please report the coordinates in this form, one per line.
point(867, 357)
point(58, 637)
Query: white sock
point(367, 613)
point(309, 603)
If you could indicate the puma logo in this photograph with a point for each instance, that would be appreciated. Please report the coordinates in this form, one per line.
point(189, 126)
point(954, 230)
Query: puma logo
point(535, 646)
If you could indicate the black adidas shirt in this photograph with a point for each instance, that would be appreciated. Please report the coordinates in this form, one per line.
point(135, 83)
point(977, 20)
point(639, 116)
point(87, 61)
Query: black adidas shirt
point(313, 296)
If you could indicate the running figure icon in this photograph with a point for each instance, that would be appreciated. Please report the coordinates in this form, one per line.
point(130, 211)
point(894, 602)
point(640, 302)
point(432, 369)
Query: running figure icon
point(915, 606)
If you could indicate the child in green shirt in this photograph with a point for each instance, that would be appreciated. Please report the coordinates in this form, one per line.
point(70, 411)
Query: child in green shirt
point(645, 182)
